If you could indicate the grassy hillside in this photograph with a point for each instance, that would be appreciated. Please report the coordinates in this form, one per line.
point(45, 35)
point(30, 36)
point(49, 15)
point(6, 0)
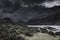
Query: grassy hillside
point(44, 36)
point(14, 31)
point(10, 30)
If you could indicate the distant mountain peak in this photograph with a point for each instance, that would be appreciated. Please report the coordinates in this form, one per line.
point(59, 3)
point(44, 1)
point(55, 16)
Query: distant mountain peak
point(7, 18)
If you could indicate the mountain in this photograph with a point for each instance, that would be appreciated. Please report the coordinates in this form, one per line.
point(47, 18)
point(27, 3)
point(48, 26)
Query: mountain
point(21, 23)
point(9, 20)
point(49, 20)
point(6, 20)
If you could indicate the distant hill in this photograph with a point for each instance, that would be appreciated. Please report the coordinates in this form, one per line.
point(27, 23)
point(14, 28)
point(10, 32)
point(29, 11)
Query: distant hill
point(9, 20)
point(6, 20)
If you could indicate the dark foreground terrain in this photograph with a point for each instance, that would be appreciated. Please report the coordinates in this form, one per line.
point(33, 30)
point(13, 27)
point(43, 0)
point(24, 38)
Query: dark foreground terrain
point(10, 30)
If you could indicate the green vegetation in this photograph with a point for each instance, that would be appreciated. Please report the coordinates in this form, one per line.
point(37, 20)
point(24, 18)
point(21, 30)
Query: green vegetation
point(10, 31)
point(43, 36)
point(14, 31)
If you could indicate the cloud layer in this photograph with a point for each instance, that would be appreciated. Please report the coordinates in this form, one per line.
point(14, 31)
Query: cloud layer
point(49, 4)
point(17, 11)
point(45, 3)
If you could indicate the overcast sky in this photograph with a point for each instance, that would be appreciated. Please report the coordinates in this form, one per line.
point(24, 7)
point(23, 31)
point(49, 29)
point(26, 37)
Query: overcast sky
point(25, 13)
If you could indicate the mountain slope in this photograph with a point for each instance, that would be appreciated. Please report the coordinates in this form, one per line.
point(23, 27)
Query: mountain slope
point(10, 30)
point(50, 20)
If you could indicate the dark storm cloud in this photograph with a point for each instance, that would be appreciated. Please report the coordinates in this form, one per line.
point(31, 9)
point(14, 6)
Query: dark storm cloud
point(25, 13)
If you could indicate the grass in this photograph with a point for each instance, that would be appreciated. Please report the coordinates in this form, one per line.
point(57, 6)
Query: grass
point(43, 36)
point(13, 31)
